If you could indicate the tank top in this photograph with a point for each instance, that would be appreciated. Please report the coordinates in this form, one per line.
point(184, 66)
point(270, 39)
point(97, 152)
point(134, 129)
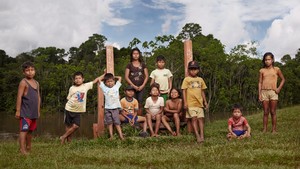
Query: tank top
point(29, 105)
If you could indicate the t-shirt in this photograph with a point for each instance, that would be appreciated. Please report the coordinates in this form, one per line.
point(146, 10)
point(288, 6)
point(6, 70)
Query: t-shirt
point(111, 96)
point(237, 124)
point(194, 87)
point(129, 106)
point(154, 107)
point(269, 78)
point(77, 98)
point(161, 77)
point(136, 74)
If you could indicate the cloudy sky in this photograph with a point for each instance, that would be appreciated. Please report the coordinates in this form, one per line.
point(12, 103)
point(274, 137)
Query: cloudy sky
point(26, 25)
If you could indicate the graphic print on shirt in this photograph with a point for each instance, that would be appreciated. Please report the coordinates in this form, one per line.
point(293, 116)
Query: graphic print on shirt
point(194, 84)
point(80, 96)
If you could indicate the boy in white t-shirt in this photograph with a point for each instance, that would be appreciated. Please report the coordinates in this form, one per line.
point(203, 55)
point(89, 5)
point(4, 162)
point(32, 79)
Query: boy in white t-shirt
point(162, 76)
point(154, 107)
point(76, 104)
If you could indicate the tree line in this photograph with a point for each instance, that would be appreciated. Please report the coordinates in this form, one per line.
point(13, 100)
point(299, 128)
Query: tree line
point(230, 77)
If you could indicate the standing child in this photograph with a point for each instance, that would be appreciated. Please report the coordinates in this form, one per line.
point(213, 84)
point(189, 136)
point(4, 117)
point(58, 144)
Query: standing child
point(130, 106)
point(162, 76)
point(27, 106)
point(76, 105)
point(112, 105)
point(154, 107)
point(194, 99)
point(136, 75)
point(173, 110)
point(268, 90)
point(238, 126)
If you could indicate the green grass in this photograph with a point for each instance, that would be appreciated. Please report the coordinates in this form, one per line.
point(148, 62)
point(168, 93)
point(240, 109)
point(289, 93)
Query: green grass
point(263, 150)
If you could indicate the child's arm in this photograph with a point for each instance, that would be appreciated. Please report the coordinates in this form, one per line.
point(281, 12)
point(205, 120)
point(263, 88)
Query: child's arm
point(170, 84)
point(248, 134)
point(230, 131)
point(124, 114)
point(96, 80)
point(259, 86)
point(119, 78)
point(128, 80)
point(21, 90)
point(148, 111)
point(152, 81)
point(204, 99)
point(145, 80)
point(184, 99)
point(281, 82)
point(167, 108)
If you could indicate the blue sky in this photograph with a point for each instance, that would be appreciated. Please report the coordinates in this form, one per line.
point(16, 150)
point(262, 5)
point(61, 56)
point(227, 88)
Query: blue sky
point(26, 25)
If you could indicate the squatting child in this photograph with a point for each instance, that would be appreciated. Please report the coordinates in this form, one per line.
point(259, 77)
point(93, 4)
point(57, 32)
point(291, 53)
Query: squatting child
point(238, 126)
point(154, 108)
point(76, 105)
point(27, 106)
point(130, 107)
point(194, 99)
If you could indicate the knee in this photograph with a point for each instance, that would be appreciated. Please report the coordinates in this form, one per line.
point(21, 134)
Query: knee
point(176, 116)
point(75, 126)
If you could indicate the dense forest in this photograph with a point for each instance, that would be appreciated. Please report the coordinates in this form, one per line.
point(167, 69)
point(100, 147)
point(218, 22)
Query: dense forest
point(230, 77)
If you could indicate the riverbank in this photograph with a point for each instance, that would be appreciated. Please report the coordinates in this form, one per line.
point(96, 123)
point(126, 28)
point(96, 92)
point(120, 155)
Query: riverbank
point(263, 150)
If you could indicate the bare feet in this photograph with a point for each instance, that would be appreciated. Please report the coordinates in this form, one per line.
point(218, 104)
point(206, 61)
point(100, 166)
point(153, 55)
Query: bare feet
point(178, 134)
point(173, 133)
point(200, 140)
point(23, 152)
point(62, 140)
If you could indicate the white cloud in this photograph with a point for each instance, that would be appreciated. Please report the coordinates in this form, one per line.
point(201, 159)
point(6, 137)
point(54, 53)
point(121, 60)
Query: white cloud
point(26, 25)
point(283, 37)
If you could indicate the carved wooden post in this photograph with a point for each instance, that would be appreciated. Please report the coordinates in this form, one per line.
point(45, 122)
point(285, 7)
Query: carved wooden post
point(98, 129)
point(188, 56)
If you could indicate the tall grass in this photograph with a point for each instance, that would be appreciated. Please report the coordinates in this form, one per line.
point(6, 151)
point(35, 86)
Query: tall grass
point(262, 150)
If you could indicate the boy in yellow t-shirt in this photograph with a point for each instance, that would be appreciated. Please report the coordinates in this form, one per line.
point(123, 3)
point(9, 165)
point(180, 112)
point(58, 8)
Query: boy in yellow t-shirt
point(194, 99)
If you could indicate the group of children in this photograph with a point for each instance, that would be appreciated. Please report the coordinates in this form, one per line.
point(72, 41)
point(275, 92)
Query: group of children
point(163, 105)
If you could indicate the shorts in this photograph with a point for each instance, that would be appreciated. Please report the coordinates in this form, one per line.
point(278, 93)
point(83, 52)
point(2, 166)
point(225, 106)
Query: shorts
point(139, 96)
point(131, 117)
point(112, 116)
point(165, 96)
point(72, 118)
point(239, 132)
point(195, 112)
point(27, 124)
point(268, 95)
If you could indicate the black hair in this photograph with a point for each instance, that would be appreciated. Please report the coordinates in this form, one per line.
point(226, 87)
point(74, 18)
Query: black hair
point(27, 64)
point(236, 106)
point(131, 54)
point(156, 85)
point(108, 76)
point(160, 58)
point(264, 58)
point(179, 92)
point(78, 74)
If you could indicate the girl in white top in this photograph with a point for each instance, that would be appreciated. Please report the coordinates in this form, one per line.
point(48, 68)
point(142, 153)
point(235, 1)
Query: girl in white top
point(154, 108)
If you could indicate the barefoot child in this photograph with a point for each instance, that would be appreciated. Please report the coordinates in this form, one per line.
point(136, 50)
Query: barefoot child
point(76, 105)
point(194, 99)
point(112, 105)
point(268, 90)
point(238, 126)
point(130, 106)
point(173, 110)
point(27, 106)
point(154, 107)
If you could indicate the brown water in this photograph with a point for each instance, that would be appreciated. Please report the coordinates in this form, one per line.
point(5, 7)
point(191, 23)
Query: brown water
point(50, 125)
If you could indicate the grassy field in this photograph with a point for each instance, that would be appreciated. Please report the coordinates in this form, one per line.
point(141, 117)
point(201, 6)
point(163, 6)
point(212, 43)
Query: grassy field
point(263, 150)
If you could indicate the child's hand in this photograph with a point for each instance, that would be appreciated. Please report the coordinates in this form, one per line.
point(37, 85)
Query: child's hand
point(17, 115)
point(277, 91)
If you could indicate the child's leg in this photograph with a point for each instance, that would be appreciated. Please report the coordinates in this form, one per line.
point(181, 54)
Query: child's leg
point(119, 129)
point(177, 123)
point(110, 130)
point(22, 141)
point(195, 128)
point(266, 114)
point(164, 120)
point(71, 130)
point(28, 141)
point(149, 122)
point(273, 105)
point(69, 138)
point(144, 121)
point(157, 123)
point(201, 127)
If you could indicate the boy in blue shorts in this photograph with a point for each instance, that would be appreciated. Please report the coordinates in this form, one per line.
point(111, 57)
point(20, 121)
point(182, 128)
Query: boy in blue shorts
point(238, 126)
point(27, 106)
point(130, 107)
